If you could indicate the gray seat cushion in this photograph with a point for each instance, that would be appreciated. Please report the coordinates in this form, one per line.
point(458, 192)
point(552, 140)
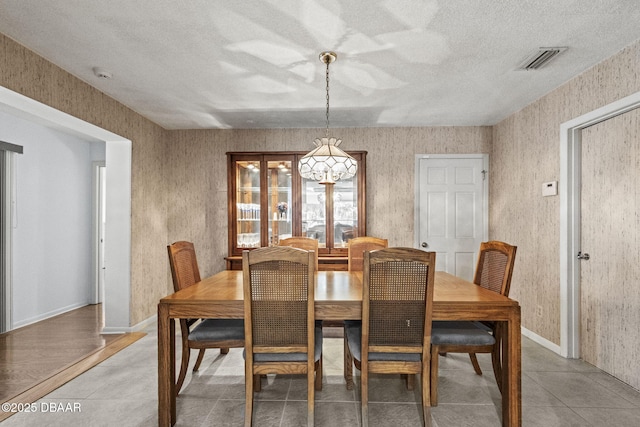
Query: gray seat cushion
point(484, 326)
point(460, 333)
point(291, 357)
point(218, 330)
point(353, 332)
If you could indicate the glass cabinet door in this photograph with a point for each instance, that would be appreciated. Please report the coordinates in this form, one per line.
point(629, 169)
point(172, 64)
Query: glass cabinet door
point(280, 200)
point(247, 204)
point(330, 212)
point(314, 208)
point(345, 212)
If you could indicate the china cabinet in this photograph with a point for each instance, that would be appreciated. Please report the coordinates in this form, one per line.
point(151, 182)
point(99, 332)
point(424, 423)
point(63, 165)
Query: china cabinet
point(269, 201)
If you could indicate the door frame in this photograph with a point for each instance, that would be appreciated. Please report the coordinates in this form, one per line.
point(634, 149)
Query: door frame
point(98, 204)
point(8, 192)
point(570, 226)
point(485, 187)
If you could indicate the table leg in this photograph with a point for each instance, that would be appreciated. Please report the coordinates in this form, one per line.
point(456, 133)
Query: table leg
point(166, 368)
point(512, 371)
point(172, 368)
point(348, 365)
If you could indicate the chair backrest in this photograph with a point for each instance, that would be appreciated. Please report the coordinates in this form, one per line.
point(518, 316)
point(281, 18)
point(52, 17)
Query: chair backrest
point(279, 286)
point(495, 266)
point(357, 247)
point(184, 265)
point(397, 301)
point(306, 243)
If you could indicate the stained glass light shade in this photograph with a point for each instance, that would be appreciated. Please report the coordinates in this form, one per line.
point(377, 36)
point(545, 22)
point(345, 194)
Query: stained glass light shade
point(327, 163)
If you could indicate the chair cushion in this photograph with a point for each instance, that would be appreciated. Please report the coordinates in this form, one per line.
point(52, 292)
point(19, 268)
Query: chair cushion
point(291, 357)
point(218, 330)
point(460, 333)
point(353, 333)
point(484, 326)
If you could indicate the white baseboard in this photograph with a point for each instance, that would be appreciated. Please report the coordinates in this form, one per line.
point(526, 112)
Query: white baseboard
point(542, 341)
point(135, 328)
point(47, 315)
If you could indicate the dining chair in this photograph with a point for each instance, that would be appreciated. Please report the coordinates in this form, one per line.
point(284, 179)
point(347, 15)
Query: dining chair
point(493, 272)
point(281, 336)
point(199, 333)
point(394, 336)
point(358, 245)
point(306, 243)
point(356, 249)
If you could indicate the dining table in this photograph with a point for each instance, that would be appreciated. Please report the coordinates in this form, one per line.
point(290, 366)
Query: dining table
point(338, 296)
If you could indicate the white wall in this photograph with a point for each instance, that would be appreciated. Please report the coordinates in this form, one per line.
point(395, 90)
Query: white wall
point(52, 238)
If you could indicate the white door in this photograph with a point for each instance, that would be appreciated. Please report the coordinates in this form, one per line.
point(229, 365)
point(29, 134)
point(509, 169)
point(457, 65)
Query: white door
point(99, 220)
point(102, 231)
point(4, 244)
point(8, 197)
point(452, 210)
point(610, 234)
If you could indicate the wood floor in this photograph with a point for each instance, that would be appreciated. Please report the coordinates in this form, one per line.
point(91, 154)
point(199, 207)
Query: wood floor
point(38, 358)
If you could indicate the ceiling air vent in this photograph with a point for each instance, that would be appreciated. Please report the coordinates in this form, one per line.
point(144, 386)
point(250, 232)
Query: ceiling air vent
point(540, 58)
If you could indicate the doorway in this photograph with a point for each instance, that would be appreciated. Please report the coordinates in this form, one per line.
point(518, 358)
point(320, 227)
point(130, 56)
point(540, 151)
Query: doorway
point(451, 215)
point(117, 289)
point(570, 217)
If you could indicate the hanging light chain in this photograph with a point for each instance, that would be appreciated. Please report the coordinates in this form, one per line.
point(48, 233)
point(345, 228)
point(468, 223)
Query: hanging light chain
point(327, 163)
point(327, 78)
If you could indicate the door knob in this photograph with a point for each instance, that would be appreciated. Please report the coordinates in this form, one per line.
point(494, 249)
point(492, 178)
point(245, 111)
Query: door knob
point(424, 245)
point(584, 256)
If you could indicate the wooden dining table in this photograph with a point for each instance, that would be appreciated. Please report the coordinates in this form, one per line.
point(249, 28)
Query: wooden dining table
point(339, 297)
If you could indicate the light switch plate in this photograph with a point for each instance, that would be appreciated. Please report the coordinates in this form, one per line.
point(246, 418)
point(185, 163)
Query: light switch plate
point(550, 188)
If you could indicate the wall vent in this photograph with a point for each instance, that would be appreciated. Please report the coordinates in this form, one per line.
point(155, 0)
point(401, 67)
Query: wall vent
point(540, 58)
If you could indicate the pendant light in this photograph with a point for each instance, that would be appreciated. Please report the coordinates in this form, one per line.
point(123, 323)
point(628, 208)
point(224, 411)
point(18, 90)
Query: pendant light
point(327, 163)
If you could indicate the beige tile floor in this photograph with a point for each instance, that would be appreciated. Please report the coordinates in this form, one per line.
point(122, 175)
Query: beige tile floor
point(122, 391)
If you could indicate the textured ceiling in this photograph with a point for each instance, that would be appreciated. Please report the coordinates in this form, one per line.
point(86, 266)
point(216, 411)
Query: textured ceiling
point(254, 64)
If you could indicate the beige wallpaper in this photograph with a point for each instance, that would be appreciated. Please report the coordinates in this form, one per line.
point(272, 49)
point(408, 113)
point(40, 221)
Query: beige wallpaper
point(198, 209)
point(25, 72)
point(524, 155)
point(179, 177)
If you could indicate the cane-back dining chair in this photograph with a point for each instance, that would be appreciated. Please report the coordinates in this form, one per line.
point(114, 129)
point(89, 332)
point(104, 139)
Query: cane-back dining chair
point(493, 272)
point(394, 336)
point(357, 247)
point(199, 333)
point(281, 336)
point(306, 243)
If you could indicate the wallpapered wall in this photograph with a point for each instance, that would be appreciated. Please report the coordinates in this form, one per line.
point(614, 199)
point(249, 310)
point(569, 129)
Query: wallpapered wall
point(525, 153)
point(198, 183)
point(179, 177)
point(25, 72)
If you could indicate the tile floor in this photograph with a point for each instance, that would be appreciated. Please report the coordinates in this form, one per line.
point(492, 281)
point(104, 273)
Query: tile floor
point(122, 391)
